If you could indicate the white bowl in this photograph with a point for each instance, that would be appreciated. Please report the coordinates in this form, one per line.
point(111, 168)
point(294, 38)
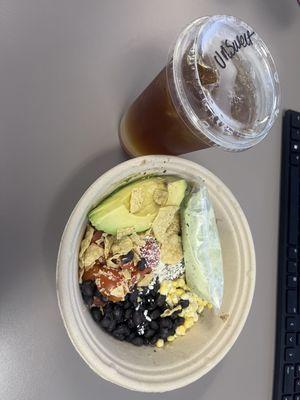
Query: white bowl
point(146, 368)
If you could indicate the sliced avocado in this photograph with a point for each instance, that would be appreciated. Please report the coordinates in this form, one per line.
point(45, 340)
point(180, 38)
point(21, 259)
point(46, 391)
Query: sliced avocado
point(176, 192)
point(109, 216)
point(119, 218)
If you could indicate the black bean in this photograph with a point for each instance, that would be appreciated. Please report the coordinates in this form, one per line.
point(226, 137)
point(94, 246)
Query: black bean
point(96, 314)
point(100, 295)
point(133, 297)
point(164, 333)
point(155, 314)
point(137, 341)
point(151, 307)
point(109, 307)
point(178, 321)
point(105, 322)
point(118, 335)
point(130, 324)
point(128, 313)
point(127, 258)
point(87, 288)
point(88, 299)
point(154, 325)
point(118, 313)
point(171, 332)
point(184, 303)
point(165, 323)
point(153, 293)
point(112, 325)
point(154, 339)
point(126, 304)
point(130, 337)
point(149, 333)
point(141, 265)
point(137, 318)
point(161, 299)
point(124, 329)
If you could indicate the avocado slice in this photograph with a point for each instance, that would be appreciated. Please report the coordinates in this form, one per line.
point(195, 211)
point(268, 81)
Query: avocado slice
point(113, 213)
point(119, 218)
point(176, 192)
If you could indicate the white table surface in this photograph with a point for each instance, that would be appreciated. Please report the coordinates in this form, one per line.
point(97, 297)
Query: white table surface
point(68, 69)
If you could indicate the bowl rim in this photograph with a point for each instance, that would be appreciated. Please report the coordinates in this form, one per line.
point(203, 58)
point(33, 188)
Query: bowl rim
point(109, 371)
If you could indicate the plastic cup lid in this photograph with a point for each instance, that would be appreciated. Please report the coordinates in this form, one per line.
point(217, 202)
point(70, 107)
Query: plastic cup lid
point(235, 77)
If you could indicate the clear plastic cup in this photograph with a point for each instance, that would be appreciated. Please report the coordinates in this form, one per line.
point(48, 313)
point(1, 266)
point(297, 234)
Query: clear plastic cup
point(219, 88)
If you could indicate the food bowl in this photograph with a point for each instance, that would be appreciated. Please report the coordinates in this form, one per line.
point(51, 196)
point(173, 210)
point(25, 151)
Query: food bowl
point(146, 368)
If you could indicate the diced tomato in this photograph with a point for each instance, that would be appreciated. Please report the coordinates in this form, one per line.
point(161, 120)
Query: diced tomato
point(96, 236)
point(109, 279)
point(92, 273)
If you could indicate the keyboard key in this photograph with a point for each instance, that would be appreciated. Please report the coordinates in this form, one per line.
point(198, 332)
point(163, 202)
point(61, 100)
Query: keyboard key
point(288, 379)
point(293, 210)
point(296, 397)
point(292, 281)
point(291, 302)
point(292, 251)
point(295, 147)
point(298, 340)
point(290, 339)
point(295, 159)
point(297, 371)
point(290, 354)
point(295, 134)
point(297, 385)
point(290, 324)
point(292, 267)
point(286, 397)
point(296, 120)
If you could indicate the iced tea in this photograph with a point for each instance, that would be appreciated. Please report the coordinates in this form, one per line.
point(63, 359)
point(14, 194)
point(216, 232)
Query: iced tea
point(219, 88)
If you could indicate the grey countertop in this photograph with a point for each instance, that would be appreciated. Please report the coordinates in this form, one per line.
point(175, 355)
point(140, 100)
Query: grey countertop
point(68, 69)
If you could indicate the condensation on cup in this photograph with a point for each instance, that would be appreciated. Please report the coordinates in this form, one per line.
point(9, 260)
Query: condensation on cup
point(220, 88)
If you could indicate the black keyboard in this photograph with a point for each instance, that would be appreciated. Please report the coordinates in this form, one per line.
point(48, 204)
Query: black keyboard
point(287, 357)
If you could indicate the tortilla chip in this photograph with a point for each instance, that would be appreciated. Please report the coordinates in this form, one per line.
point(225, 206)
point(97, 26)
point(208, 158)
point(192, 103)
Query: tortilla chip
point(124, 232)
point(171, 250)
point(160, 197)
point(81, 272)
point(175, 225)
point(92, 253)
point(136, 199)
point(99, 241)
point(138, 240)
point(163, 221)
point(146, 280)
point(86, 240)
point(108, 241)
point(118, 292)
point(136, 257)
point(167, 313)
point(127, 274)
point(112, 262)
point(122, 246)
